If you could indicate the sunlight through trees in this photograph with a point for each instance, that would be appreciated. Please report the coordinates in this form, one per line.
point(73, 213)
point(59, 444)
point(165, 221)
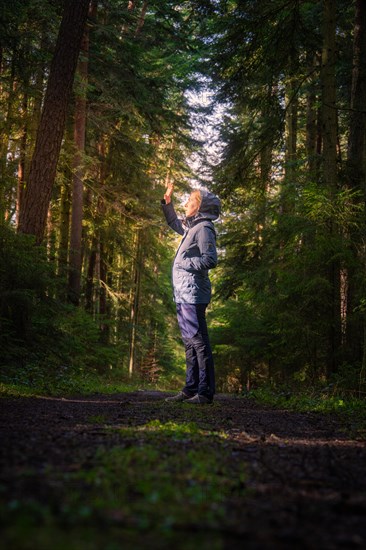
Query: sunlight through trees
point(104, 103)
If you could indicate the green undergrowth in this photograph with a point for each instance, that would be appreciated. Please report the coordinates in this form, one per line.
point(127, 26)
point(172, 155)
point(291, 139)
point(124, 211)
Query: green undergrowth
point(350, 410)
point(82, 383)
point(159, 485)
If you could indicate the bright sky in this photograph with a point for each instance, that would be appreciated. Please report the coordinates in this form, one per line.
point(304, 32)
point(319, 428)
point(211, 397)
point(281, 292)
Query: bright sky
point(205, 128)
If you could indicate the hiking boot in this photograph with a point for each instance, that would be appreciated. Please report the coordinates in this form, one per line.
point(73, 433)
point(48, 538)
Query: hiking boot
point(199, 400)
point(176, 398)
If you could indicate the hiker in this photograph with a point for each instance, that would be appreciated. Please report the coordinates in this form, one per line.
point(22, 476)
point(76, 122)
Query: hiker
point(196, 254)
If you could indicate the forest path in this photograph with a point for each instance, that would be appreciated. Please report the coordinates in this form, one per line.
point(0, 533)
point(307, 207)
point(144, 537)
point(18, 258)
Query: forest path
point(131, 471)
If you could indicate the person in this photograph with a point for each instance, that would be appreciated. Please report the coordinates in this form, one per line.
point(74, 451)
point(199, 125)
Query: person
point(195, 255)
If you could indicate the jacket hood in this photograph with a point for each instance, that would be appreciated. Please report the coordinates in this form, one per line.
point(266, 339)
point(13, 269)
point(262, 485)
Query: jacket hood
point(210, 206)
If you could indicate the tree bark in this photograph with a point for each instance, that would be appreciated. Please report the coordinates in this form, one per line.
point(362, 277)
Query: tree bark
point(311, 119)
point(5, 133)
point(37, 196)
point(37, 100)
point(78, 173)
point(329, 132)
point(291, 124)
point(51, 238)
point(291, 130)
point(106, 283)
point(356, 172)
point(135, 301)
point(64, 227)
point(356, 142)
point(22, 157)
point(103, 304)
point(141, 20)
point(89, 286)
point(329, 112)
point(265, 164)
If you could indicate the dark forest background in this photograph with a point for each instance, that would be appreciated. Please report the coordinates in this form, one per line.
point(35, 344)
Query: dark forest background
point(97, 116)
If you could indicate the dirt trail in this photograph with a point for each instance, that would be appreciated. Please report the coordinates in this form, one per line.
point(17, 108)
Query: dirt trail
point(305, 476)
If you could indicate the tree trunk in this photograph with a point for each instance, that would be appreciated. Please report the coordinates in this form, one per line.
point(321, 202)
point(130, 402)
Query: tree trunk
point(65, 207)
point(1, 66)
point(106, 284)
point(265, 178)
point(291, 130)
point(329, 113)
point(125, 26)
point(38, 97)
point(64, 227)
point(51, 239)
point(265, 165)
point(311, 119)
point(89, 286)
point(37, 196)
point(135, 300)
point(329, 127)
point(78, 169)
point(22, 157)
point(291, 136)
point(141, 20)
point(356, 171)
point(103, 303)
point(356, 141)
point(4, 140)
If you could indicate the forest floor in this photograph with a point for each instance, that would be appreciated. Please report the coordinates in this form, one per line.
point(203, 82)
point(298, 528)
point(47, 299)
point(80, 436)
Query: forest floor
point(131, 471)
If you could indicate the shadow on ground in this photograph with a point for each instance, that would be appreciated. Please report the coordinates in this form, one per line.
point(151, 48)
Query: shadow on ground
point(131, 471)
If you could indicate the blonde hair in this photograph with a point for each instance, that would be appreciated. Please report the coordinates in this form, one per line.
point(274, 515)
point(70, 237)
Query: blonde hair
point(197, 195)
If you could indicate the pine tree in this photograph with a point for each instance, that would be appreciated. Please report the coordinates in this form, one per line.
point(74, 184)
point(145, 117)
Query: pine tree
point(33, 214)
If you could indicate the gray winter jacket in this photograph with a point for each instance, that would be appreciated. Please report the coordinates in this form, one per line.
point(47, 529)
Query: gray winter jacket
point(196, 253)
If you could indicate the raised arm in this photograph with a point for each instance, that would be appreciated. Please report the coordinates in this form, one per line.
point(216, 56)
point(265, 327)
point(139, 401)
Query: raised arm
point(170, 215)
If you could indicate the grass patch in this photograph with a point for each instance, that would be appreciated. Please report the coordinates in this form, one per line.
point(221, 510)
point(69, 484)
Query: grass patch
point(350, 411)
point(97, 419)
point(74, 384)
point(150, 486)
point(175, 431)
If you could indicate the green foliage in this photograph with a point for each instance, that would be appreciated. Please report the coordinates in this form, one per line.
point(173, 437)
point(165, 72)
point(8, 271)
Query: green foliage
point(44, 342)
point(292, 248)
point(284, 234)
point(276, 290)
point(139, 68)
point(28, 31)
point(33, 381)
point(24, 278)
point(331, 399)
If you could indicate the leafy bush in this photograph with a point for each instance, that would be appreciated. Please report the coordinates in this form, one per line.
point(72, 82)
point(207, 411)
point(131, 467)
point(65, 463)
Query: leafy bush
point(44, 341)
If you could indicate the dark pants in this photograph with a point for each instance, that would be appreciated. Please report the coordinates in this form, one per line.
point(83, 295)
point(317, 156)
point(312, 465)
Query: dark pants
point(200, 374)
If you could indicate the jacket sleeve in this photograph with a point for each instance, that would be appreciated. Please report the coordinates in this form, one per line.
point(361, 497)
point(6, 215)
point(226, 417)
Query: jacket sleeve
point(206, 242)
point(171, 217)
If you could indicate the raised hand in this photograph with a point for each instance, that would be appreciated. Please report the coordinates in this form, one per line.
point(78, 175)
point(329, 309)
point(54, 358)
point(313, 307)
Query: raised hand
point(168, 193)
